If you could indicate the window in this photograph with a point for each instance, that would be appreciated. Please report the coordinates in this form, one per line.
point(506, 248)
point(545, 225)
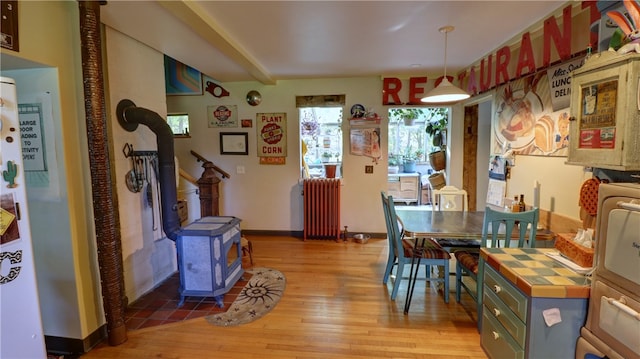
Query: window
point(321, 138)
point(179, 124)
point(415, 131)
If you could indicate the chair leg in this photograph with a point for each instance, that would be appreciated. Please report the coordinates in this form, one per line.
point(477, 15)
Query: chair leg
point(458, 281)
point(396, 283)
point(387, 272)
point(446, 281)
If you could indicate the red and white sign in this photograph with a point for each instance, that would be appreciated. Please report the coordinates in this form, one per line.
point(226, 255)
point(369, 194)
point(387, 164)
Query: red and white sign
point(222, 116)
point(271, 134)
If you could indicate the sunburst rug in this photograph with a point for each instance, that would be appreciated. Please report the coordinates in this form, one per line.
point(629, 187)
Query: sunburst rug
point(258, 297)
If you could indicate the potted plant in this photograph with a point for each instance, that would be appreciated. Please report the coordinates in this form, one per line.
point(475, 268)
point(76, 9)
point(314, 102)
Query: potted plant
point(410, 158)
point(326, 156)
point(408, 115)
point(436, 128)
point(394, 164)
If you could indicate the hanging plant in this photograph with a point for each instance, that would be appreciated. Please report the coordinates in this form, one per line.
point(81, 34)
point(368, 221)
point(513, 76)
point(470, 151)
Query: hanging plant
point(437, 125)
point(408, 115)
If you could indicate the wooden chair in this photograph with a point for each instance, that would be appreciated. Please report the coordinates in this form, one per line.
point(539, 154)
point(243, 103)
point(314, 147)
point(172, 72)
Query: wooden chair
point(393, 256)
point(410, 251)
point(522, 224)
point(449, 198)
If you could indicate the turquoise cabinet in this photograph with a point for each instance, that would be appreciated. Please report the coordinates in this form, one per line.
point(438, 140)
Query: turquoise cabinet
point(532, 307)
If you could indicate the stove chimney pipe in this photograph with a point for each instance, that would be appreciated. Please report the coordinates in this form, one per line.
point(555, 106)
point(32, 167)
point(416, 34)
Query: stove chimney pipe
point(129, 116)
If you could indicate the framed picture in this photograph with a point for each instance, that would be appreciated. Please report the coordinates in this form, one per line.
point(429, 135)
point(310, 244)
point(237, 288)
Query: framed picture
point(234, 143)
point(181, 79)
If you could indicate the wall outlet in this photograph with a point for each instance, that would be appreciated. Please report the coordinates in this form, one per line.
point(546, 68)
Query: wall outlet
point(240, 170)
point(368, 169)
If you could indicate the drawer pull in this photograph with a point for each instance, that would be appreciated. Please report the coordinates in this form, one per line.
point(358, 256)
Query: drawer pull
point(497, 288)
point(496, 335)
point(496, 312)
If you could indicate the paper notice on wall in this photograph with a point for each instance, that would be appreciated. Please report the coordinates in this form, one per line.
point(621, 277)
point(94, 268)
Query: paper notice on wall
point(496, 192)
point(39, 146)
point(365, 142)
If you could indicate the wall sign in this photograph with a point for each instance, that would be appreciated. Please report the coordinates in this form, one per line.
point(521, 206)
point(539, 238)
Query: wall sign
point(222, 116)
point(32, 136)
point(271, 135)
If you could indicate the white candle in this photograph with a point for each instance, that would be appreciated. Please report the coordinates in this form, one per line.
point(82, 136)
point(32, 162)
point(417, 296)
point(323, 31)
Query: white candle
point(536, 194)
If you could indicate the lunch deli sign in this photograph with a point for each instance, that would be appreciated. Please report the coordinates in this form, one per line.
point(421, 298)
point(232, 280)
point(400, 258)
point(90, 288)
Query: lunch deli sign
point(559, 40)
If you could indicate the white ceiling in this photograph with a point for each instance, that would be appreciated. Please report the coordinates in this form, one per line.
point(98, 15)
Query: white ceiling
point(274, 40)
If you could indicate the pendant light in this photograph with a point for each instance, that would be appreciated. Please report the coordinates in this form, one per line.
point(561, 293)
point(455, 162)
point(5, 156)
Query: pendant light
point(445, 92)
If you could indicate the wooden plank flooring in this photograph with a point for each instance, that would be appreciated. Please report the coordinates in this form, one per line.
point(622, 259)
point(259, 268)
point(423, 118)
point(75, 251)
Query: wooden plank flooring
point(334, 306)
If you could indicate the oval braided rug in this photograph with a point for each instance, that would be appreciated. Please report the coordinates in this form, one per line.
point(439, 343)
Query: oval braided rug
point(258, 297)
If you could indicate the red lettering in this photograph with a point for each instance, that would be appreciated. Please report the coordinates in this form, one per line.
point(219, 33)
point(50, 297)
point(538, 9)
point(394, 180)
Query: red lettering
point(267, 149)
point(562, 42)
point(485, 81)
point(461, 76)
point(415, 91)
point(390, 88)
point(594, 16)
point(525, 58)
point(472, 85)
point(503, 57)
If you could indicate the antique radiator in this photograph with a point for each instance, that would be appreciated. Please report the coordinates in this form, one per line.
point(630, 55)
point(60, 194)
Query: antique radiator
point(321, 208)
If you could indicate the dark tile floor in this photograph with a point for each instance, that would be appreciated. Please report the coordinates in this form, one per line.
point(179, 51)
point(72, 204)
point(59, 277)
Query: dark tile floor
point(160, 306)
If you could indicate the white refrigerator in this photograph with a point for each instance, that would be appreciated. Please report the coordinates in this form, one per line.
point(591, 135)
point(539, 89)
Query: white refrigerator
point(21, 334)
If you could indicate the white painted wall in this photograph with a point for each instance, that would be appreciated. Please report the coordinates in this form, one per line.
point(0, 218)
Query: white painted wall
point(136, 72)
point(268, 197)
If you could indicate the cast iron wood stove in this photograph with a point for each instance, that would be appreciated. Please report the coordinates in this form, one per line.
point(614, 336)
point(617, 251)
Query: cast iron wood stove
point(209, 257)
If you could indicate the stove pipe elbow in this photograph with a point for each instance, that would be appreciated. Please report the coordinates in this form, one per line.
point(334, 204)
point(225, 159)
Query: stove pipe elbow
point(129, 116)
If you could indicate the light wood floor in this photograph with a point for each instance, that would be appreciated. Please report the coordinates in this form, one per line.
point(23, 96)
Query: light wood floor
point(334, 306)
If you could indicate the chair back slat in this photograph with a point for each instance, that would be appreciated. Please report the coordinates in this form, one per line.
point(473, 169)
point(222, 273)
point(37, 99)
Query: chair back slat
point(385, 210)
point(450, 198)
point(525, 222)
point(397, 228)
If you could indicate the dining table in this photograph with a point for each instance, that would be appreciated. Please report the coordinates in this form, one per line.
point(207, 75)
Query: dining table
point(455, 225)
point(461, 225)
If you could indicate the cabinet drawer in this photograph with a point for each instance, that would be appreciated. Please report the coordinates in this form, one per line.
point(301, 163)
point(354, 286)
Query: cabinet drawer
point(496, 342)
point(511, 323)
point(393, 186)
point(506, 292)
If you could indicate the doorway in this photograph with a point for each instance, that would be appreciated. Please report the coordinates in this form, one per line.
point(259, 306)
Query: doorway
point(477, 152)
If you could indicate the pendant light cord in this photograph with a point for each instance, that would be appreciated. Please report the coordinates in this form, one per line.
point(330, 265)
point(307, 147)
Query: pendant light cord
point(445, 52)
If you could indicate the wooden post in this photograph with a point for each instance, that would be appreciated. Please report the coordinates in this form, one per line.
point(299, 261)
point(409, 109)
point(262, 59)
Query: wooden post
point(209, 194)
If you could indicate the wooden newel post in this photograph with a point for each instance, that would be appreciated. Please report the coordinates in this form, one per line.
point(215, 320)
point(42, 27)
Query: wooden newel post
point(209, 194)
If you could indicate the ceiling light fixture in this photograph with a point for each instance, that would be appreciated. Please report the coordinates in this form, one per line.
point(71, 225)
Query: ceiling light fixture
point(445, 92)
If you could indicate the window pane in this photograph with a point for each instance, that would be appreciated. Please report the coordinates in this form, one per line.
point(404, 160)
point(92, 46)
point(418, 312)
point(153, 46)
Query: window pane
point(408, 138)
point(321, 135)
point(179, 123)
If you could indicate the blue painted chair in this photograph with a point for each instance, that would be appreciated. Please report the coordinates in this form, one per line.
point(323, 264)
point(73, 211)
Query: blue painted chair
point(393, 256)
point(413, 252)
point(521, 227)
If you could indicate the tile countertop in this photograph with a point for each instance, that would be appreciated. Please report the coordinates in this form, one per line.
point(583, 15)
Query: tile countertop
point(536, 274)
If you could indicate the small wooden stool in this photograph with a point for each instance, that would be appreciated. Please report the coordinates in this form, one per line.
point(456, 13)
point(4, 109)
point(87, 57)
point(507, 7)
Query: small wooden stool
point(247, 248)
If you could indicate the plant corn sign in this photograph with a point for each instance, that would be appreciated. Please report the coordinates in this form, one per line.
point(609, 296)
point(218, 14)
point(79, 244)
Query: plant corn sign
point(272, 137)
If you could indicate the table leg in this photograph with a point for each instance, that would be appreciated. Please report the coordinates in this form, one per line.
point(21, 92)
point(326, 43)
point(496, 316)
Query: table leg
point(417, 252)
